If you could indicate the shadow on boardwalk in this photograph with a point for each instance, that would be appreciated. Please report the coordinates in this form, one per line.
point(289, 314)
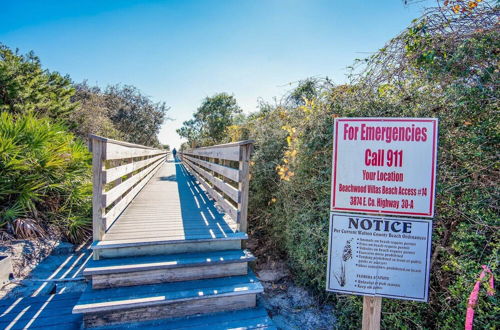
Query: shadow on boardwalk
point(199, 215)
point(170, 207)
point(44, 298)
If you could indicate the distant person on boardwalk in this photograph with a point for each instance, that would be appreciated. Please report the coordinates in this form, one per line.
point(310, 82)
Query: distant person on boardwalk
point(174, 152)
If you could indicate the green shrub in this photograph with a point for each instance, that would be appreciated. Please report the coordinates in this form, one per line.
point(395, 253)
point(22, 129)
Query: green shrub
point(26, 87)
point(44, 175)
point(293, 210)
point(452, 77)
point(44, 169)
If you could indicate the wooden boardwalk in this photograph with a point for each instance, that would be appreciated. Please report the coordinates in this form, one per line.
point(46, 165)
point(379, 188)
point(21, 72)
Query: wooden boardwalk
point(42, 312)
point(167, 246)
point(171, 207)
point(168, 240)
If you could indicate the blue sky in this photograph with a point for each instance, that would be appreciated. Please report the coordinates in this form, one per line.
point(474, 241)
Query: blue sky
point(182, 51)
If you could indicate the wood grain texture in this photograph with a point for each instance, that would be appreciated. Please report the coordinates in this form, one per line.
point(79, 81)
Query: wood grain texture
point(117, 209)
point(229, 190)
point(171, 246)
point(122, 143)
point(372, 310)
point(114, 173)
point(142, 242)
point(228, 152)
point(222, 202)
point(98, 151)
point(117, 151)
point(250, 318)
point(107, 149)
point(92, 301)
point(154, 247)
point(168, 275)
point(117, 191)
point(244, 185)
point(201, 170)
point(41, 312)
point(183, 308)
point(126, 265)
point(228, 172)
point(170, 207)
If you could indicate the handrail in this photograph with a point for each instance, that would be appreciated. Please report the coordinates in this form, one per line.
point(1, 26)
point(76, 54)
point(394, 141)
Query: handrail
point(230, 144)
point(122, 143)
point(224, 171)
point(119, 171)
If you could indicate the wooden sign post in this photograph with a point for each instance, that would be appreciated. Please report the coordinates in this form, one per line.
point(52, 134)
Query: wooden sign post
point(372, 310)
point(382, 166)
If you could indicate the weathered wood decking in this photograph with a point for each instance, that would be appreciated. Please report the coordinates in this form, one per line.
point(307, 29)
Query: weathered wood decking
point(171, 207)
point(168, 238)
point(41, 312)
point(167, 245)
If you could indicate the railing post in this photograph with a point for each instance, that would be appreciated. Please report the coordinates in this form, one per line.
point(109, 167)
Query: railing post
point(98, 155)
point(244, 185)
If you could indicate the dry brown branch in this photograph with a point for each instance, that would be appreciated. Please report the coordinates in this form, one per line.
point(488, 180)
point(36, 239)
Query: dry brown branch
point(441, 30)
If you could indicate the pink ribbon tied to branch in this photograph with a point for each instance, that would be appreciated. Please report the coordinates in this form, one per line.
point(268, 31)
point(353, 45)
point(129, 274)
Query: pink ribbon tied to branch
point(474, 296)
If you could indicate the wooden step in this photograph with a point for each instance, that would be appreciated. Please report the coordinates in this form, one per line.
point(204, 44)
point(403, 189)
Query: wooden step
point(167, 300)
point(252, 318)
point(145, 247)
point(107, 273)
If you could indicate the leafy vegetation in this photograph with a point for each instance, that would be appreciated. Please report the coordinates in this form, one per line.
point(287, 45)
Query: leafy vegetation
point(45, 178)
point(120, 112)
point(92, 116)
point(211, 120)
point(444, 65)
point(26, 87)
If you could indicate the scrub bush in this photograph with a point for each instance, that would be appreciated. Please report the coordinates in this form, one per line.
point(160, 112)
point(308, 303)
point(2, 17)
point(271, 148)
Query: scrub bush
point(444, 65)
point(45, 175)
point(26, 87)
point(45, 178)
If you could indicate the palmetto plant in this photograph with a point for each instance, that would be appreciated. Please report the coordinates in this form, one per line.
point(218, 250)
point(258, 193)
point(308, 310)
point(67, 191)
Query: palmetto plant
point(44, 178)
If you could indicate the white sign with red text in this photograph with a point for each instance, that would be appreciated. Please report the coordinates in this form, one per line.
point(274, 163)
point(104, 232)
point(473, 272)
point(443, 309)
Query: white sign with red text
point(385, 165)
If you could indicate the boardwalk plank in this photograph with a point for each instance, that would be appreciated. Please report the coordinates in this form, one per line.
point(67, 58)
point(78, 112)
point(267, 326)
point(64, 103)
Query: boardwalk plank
point(255, 318)
point(122, 265)
point(116, 298)
point(172, 206)
point(45, 312)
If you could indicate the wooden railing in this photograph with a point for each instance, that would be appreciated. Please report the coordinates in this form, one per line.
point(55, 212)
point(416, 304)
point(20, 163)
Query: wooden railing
point(120, 170)
point(223, 170)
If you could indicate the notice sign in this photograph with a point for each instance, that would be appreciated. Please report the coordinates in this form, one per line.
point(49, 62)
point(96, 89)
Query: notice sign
point(386, 257)
point(385, 165)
